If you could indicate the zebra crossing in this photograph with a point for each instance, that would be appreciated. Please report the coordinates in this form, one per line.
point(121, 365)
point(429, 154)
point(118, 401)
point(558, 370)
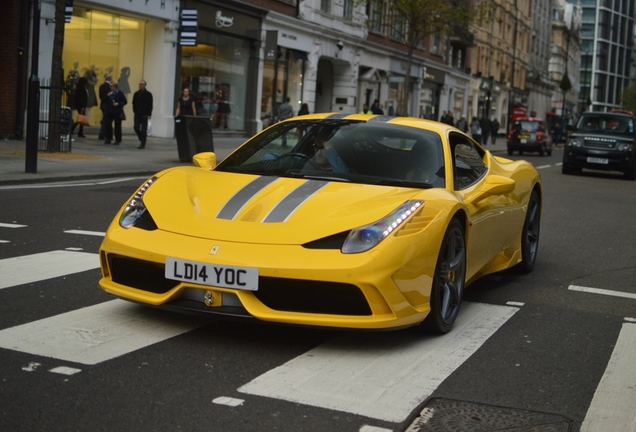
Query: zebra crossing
point(353, 373)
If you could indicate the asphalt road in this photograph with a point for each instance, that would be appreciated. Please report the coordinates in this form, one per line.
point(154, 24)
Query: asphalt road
point(542, 353)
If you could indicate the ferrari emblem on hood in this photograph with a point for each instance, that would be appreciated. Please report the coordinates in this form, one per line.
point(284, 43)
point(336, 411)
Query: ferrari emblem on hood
point(214, 250)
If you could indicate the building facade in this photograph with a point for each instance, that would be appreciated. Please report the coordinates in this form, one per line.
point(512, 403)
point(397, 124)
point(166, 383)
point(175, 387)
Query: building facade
point(607, 33)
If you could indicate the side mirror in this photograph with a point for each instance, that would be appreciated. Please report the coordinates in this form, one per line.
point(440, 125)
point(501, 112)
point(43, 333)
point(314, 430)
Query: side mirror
point(205, 160)
point(494, 185)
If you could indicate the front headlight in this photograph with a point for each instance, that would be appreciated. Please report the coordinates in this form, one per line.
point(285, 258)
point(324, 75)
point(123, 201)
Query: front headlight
point(363, 238)
point(135, 208)
point(576, 142)
point(626, 147)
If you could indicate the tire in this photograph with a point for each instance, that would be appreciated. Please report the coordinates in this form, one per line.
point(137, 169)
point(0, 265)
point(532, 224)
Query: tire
point(530, 234)
point(448, 282)
point(520, 152)
point(630, 174)
point(510, 151)
point(550, 152)
point(541, 150)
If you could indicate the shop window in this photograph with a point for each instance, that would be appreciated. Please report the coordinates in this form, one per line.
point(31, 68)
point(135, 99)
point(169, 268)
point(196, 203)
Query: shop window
point(282, 78)
point(97, 43)
point(215, 71)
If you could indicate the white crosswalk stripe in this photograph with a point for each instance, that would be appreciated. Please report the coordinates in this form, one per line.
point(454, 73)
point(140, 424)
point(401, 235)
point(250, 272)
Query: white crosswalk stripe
point(47, 265)
point(380, 377)
point(613, 408)
point(97, 333)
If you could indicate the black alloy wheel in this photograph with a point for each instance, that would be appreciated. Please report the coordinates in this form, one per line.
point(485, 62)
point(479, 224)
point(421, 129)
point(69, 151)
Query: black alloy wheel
point(530, 234)
point(448, 282)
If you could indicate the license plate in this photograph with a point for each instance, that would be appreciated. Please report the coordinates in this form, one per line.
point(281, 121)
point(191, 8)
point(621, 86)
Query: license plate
point(523, 141)
point(243, 278)
point(597, 160)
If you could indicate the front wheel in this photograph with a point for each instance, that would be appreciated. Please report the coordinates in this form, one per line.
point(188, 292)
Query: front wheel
point(448, 282)
point(530, 234)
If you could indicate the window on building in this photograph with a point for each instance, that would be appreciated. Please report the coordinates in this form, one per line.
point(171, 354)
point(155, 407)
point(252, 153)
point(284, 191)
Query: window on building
point(325, 6)
point(436, 44)
point(347, 11)
point(376, 15)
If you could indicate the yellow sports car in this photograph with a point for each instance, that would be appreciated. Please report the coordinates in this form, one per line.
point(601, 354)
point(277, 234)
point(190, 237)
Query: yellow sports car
point(350, 221)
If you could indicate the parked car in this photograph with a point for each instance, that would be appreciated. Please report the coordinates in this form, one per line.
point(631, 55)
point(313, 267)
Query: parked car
point(602, 141)
point(529, 135)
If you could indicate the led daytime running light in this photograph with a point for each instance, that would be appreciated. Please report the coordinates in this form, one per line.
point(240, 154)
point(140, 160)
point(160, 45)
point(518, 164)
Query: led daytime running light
point(135, 208)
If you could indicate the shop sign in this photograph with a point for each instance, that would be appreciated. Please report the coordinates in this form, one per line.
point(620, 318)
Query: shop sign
point(223, 20)
point(188, 34)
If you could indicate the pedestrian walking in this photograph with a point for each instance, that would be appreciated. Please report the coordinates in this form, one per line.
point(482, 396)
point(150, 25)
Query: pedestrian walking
point(485, 129)
point(285, 111)
point(375, 108)
point(185, 104)
point(494, 130)
point(114, 113)
point(462, 124)
point(80, 101)
point(104, 103)
point(475, 129)
point(142, 109)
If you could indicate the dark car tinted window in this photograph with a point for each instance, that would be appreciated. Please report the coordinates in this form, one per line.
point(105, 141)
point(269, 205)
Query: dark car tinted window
point(606, 123)
point(468, 163)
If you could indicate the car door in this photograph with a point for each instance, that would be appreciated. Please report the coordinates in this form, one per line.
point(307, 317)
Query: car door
point(490, 220)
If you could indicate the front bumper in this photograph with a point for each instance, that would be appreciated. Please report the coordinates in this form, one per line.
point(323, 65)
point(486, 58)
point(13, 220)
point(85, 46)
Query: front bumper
point(604, 160)
point(316, 287)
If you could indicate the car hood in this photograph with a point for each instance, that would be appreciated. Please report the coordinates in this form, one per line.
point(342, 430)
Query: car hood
point(261, 209)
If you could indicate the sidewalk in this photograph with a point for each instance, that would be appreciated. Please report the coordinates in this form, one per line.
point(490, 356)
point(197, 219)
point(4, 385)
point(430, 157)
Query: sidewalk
point(91, 158)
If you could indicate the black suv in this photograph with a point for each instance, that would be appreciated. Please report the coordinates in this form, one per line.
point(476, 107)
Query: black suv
point(602, 141)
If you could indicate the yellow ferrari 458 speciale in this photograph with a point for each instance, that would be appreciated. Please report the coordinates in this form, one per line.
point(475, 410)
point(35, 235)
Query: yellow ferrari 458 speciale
point(350, 221)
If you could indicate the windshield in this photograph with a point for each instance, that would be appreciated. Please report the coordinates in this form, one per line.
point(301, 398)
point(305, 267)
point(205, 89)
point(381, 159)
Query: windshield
point(528, 126)
point(343, 150)
point(606, 123)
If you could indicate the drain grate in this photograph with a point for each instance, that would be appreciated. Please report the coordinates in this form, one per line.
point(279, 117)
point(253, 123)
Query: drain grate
point(446, 415)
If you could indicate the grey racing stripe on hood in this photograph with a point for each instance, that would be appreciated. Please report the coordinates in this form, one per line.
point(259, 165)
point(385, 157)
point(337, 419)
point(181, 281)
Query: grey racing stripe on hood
point(240, 198)
point(288, 205)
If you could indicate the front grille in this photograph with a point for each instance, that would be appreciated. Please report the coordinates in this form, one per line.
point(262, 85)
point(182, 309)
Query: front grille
point(296, 295)
point(291, 295)
point(140, 274)
point(604, 143)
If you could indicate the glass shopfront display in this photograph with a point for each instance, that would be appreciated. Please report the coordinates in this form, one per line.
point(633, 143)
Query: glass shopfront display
point(282, 78)
point(215, 71)
point(97, 43)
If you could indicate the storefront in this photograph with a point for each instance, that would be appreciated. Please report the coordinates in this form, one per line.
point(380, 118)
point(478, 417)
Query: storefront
point(97, 43)
point(283, 72)
point(221, 70)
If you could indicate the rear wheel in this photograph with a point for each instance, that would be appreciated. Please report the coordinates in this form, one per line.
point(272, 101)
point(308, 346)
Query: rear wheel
point(448, 282)
point(530, 234)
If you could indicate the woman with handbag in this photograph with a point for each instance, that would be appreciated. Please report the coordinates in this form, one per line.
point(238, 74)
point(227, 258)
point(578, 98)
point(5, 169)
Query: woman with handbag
point(116, 101)
point(80, 99)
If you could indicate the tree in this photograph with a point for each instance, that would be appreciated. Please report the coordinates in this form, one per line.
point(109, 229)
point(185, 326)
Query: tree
point(57, 79)
point(411, 21)
point(628, 98)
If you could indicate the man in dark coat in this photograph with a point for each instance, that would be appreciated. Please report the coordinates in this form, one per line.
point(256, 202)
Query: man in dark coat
point(104, 89)
point(375, 108)
point(142, 108)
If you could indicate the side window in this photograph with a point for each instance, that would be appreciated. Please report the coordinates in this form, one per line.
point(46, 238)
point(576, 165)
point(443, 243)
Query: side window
point(468, 166)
